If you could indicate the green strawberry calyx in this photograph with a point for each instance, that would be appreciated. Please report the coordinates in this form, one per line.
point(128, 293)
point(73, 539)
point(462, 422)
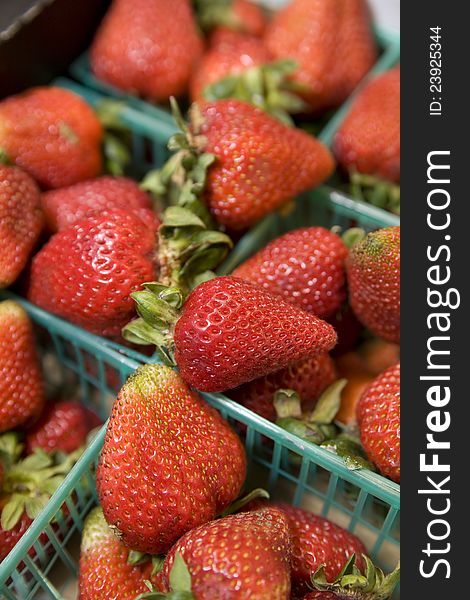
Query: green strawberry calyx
point(158, 307)
point(315, 427)
point(29, 483)
point(5, 157)
point(136, 557)
point(373, 584)
point(116, 137)
point(217, 13)
point(189, 245)
point(375, 190)
point(179, 580)
point(268, 87)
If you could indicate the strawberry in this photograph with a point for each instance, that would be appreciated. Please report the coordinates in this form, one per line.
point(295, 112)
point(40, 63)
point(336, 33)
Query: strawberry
point(242, 162)
point(109, 254)
point(305, 267)
point(62, 426)
point(148, 47)
point(242, 556)
point(230, 56)
point(169, 461)
point(10, 537)
point(332, 43)
point(368, 140)
point(239, 16)
point(378, 417)
point(317, 541)
point(228, 332)
point(373, 270)
point(21, 384)
point(21, 221)
point(308, 378)
point(53, 134)
point(106, 570)
point(65, 206)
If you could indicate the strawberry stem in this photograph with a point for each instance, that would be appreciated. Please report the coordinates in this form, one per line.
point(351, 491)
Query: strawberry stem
point(374, 190)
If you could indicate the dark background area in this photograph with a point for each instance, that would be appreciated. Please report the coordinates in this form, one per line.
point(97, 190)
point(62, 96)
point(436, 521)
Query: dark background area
point(39, 39)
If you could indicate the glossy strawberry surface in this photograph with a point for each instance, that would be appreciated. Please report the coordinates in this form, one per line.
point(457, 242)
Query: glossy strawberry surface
point(147, 47)
point(368, 139)
point(21, 384)
point(104, 568)
point(21, 221)
point(304, 266)
point(231, 331)
point(169, 461)
point(373, 270)
point(53, 134)
point(240, 557)
point(316, 541)
point(260, 162)
point(64, 206)
point(308, 378)
point(86, 273)
point(378, 417)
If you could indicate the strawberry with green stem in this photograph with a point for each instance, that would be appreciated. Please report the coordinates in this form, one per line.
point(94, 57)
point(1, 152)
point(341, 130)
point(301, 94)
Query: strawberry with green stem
point(107, 568)
point(169, 461)
point(239, 557)
point(239, 161)
point(226, 332)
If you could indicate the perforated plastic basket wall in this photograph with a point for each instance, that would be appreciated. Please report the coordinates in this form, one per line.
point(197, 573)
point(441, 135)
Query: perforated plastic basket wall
point(291, 470)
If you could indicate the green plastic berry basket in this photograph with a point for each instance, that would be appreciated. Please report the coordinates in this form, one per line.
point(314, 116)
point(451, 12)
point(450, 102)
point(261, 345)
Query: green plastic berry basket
point(289, 469)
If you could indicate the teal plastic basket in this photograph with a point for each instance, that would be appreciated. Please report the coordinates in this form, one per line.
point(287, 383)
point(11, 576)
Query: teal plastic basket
point(289, 469)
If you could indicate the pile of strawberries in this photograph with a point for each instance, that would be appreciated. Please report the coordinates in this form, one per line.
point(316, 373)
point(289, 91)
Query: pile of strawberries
point(305, 332)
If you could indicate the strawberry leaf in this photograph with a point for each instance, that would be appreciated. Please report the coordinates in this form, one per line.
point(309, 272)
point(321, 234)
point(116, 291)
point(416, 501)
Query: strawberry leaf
point(12, 511)
point(180, 577)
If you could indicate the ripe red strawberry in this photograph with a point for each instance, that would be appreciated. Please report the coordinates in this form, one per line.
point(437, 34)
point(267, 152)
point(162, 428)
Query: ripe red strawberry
point(243, 556)
point(373, 269)
point(108, 255)
point(331, 41)
point(305, 267)
point(308, 378)
point(260, 163)
point(21, 221)
point(53, 134)
point(169, 461)
point(64, 206)
point(104, 568)
point(368, 139)
point(231, 55)
point(378, 417)
point(317, 541)
point(148, 47)
point(21, 385)
point(228, 332)
point(62, 426)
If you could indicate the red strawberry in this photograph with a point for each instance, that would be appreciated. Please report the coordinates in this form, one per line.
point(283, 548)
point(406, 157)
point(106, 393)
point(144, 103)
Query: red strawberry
point(21, 221)
point(331, 41)
point(378, 417)
point(240, 557)
point(231, 55)
point(62, 426)
point(105, 570)
point(305, 267)
point(108, 255)
point(169, 461)
point(228, 332)
point(9, 538)
point(317, 541)
point(65, 206)
point(53, 134)
point(373, 269)
point(147, 47)
point(259, 163)
point(308, 378)
point(250, 17)
point(21, 385)
point(368, 140)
